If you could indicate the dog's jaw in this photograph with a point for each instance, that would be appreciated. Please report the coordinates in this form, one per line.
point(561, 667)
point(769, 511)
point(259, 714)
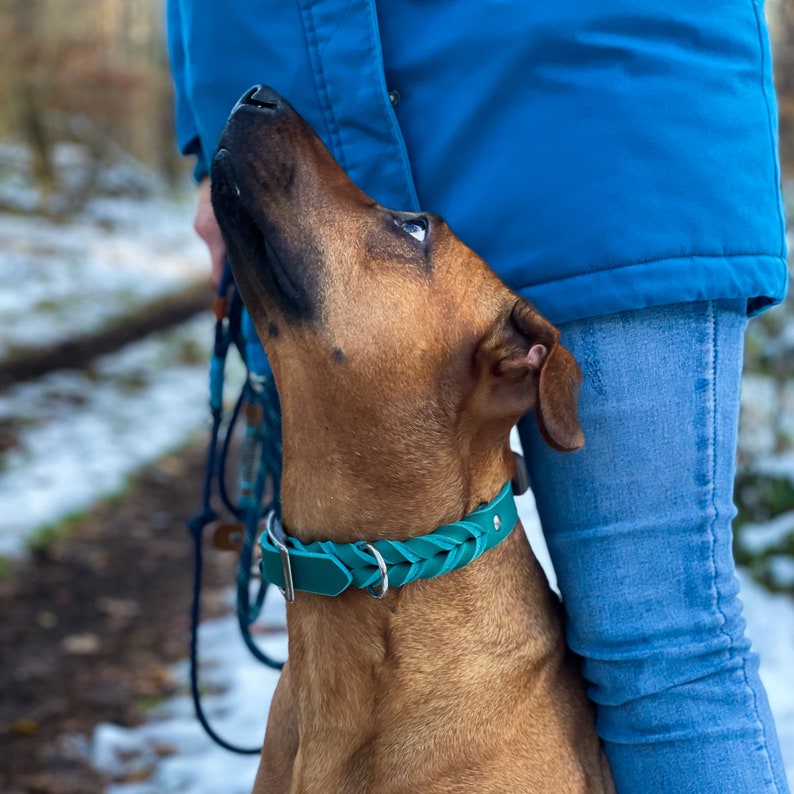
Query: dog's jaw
point(264, 267)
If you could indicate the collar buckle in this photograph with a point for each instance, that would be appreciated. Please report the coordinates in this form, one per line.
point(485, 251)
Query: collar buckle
point(278, 538)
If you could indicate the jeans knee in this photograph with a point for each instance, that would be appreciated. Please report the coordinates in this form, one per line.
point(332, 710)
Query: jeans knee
point(675, 693)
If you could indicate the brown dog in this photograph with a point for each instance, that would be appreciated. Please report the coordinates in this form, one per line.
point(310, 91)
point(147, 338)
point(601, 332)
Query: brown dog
point(402, 362)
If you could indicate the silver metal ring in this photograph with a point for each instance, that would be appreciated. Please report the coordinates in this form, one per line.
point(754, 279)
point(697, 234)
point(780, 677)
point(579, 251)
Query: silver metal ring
point(384, 573)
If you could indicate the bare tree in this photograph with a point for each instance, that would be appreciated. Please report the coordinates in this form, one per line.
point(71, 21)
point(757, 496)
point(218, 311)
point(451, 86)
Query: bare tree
point(781, 18)
point(91, 72)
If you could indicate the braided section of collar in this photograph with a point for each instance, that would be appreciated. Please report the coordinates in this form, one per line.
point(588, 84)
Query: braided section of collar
point(329, 568)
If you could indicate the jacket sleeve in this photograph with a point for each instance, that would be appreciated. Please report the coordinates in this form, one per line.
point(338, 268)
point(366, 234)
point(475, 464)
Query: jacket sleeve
point(187, 134)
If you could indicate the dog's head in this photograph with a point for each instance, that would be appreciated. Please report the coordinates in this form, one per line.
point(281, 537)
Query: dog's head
point(372, 309)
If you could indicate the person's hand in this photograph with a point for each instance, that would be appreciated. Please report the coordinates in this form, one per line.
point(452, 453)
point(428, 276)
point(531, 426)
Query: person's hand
point(206, 226)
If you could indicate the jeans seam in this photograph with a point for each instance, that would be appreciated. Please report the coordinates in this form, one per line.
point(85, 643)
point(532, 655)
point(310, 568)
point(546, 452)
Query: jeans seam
point(712, 462)
point(714, 360)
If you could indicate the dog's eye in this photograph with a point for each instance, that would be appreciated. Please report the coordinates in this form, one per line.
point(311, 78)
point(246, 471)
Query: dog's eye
point(417, 228)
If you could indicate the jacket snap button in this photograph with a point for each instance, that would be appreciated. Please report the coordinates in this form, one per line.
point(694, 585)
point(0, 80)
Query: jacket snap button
point(394, 98)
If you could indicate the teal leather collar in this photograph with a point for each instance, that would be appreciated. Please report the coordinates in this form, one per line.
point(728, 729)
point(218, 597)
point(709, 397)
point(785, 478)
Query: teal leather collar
point(328, 568)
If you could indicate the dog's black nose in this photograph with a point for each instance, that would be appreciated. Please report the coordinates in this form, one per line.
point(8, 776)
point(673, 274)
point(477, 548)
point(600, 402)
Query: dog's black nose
point(262, 97)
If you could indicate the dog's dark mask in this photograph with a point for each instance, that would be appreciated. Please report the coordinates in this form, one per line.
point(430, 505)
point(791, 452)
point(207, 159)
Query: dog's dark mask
point(254, 175)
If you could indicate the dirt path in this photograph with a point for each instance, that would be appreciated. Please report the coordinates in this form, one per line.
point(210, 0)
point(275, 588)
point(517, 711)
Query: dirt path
point(78, 352)
point(90, 624)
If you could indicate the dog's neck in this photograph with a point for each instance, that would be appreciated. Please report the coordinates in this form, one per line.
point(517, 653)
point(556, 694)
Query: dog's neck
point(400, 487)
point(352, 651)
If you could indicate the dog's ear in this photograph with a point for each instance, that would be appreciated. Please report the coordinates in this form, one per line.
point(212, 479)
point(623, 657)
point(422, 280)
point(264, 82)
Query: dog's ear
point(533, 370)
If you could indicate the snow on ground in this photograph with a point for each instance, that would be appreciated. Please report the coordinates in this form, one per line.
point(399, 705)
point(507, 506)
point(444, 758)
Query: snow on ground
point(60, 280)
point(183, 759)
point(172, 743)
point(768, 413)
point(72, 437)
point(78, 435)
point(770, 626)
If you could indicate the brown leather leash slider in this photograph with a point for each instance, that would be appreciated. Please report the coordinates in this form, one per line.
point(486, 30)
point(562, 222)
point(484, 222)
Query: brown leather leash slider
point(227, 535)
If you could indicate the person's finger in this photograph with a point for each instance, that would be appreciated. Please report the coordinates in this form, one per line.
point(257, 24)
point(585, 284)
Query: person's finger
point(206, 226)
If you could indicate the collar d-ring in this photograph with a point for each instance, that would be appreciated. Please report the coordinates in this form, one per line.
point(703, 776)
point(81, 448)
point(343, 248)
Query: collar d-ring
point(384, 573)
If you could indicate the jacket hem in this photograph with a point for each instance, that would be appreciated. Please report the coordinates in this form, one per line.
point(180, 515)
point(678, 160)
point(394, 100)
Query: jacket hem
point(761, 279)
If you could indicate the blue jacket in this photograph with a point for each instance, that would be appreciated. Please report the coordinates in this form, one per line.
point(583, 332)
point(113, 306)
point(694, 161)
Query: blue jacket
point(601, 156)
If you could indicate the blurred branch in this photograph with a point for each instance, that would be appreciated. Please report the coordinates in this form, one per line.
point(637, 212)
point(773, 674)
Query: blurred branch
point(97, 60)
point(781, 21)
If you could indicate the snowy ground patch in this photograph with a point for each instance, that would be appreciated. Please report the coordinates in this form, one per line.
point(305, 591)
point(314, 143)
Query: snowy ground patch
point(171, 749)
point(70, 438)
point(78, 435)
point(62, 280)
point(770, 626)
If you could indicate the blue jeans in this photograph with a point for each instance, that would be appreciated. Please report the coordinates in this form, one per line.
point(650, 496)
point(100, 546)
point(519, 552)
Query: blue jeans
point(638, 525)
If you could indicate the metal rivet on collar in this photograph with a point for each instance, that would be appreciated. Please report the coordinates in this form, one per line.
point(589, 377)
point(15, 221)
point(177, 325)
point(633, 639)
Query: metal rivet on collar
point(497, 523)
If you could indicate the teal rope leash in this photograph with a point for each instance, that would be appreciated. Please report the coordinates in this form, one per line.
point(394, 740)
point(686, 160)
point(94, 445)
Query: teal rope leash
point(260, 467)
